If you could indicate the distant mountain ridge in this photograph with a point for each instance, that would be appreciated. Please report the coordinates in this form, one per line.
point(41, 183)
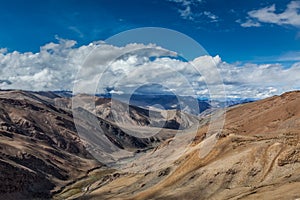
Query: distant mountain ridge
point(165, 101)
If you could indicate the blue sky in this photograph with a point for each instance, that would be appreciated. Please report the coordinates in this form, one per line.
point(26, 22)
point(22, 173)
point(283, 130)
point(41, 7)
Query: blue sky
point(253, 45)
point(217, 25)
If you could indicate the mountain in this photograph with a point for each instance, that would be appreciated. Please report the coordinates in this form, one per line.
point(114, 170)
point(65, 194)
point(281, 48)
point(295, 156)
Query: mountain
point(40, 150)
point(255, 156)
point(187, 104)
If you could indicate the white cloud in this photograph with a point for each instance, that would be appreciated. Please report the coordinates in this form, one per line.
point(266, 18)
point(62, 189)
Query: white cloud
point(249, 23)
point(290, 56)
point(55, 67)
point(290, 16)
point(52, 68)
point(213, 17)
point(186, 13)
point(3, 50)
point(260, 80)
point(287, 57)
point(187, 10)
point(77, 31)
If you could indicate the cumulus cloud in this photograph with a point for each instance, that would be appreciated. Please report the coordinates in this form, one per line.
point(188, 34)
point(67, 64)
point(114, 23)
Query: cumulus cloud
point(56, 66)
point(290, 16)
point(3, 50)
point(259, 81)
point(52, 68)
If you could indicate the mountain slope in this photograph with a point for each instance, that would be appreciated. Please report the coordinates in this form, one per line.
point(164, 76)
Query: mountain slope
point(257, 156)
point(128, 115)
point(40, 150)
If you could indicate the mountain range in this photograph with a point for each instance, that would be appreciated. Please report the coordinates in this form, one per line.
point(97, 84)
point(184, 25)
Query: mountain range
point(43, 155)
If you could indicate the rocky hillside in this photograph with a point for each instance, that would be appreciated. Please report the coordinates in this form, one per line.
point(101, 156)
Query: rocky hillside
point(128, 115)
point(256, 156)
point(40, 150)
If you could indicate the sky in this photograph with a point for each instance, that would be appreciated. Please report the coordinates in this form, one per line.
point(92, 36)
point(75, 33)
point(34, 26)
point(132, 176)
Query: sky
point(254, 44)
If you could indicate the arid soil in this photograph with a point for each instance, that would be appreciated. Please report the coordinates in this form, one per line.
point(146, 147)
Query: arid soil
point(256, 155)
point(40, 151)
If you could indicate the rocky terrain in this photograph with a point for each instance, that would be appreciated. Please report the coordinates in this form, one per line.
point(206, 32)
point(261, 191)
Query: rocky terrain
point(116, 111)
point(41, 151)
point(255, 156)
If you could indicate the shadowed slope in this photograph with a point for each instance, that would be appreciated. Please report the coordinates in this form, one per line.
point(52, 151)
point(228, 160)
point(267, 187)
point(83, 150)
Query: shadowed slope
point(39, 148)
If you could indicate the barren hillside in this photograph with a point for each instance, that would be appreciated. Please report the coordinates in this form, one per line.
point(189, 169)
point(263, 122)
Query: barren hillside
point(40, 150)
point(257, 156)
